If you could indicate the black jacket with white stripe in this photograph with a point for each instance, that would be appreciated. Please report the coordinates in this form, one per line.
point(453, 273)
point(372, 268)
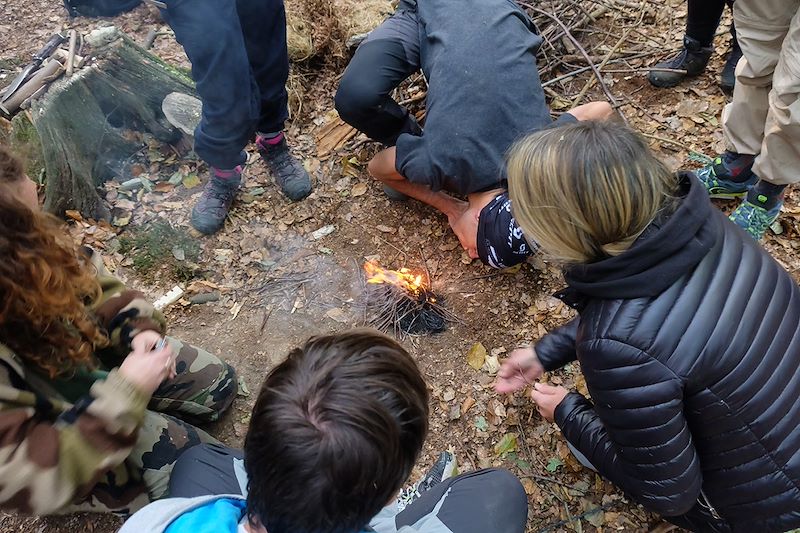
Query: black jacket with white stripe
point(690, 347)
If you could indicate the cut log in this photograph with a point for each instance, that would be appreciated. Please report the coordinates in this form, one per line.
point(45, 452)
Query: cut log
point(94, 125)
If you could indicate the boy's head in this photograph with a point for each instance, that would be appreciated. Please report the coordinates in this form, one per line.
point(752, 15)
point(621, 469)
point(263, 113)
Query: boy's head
point(334, 434)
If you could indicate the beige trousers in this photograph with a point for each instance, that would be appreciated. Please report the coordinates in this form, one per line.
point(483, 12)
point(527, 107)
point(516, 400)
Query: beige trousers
point(764, 116)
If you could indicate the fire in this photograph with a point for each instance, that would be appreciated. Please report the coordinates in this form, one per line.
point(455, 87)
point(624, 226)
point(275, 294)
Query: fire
point(403, 278)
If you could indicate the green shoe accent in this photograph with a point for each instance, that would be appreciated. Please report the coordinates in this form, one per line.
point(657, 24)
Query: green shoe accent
point(721, 187)
point(754, 219)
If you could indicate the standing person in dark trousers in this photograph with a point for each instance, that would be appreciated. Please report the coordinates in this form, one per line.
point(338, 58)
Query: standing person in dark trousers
point(479, 57)
point(702, 22)
point(334, 434)
point(688, 334)
point(240, 64)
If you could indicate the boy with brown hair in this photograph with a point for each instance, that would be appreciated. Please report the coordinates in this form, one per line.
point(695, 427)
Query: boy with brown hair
point(334, 434)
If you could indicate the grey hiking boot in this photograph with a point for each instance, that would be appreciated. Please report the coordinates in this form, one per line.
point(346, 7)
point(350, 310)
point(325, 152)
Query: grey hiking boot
point(210, 211)
point(289, 174)
point(693, 59)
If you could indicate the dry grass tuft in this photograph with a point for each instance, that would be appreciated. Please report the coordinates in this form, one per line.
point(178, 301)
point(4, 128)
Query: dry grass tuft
point(320, 29)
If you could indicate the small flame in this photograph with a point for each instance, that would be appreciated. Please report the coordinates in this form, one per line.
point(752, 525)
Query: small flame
point(403, 278)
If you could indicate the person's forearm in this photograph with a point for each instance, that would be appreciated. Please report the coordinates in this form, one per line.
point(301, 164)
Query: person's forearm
point(72, 452)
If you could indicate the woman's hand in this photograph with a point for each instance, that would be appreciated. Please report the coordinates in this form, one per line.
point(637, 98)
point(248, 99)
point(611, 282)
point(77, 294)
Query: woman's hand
point(521, 369)
point(547, 398)
point(147, 368)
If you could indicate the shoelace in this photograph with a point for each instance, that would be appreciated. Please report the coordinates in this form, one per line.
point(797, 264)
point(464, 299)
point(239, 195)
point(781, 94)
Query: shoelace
point(407, 496)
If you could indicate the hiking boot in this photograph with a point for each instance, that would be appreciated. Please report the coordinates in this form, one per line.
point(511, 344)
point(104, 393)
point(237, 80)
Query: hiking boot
point(210, 211)
point(757, 213)
point(444, 468)
point(693, 59)
point(728, 77)
point(728, 176)
point(289, 174)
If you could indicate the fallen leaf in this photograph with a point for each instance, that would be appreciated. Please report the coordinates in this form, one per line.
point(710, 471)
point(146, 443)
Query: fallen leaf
point(476, 356)
point(554, 464)
point(497, 408)
point(455, 412)
point(191, 181)
point(492, 365)
point(323, 232)
point(531, 488)
point(467, 404)
point(178, 253)
point(359, 189)
point(74, 215)
point(481, 424)
point(243, 390)
point(449, 394)
point(596, 518)
point(236, 309)
point(385, 229)
point(506, 445)
point(338, 315)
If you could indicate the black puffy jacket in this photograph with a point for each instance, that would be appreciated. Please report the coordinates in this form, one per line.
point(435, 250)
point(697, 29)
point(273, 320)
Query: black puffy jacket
point(690, 346)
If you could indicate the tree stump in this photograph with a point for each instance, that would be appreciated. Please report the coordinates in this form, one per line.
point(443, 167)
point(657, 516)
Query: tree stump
point(96, 123)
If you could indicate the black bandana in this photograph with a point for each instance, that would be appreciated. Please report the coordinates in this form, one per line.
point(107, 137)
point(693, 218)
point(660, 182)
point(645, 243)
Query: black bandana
point(500, 240)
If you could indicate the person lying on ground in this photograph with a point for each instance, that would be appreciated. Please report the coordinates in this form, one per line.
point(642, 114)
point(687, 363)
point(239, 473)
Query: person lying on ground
point(687, 334)
point(479, 57)
point(240, 65)
point(334, 434)
point(85, 393)
point(761, 125)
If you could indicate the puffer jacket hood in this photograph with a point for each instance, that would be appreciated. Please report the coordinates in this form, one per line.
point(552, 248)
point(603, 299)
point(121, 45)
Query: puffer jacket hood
point(690, 346)
point(668, 248)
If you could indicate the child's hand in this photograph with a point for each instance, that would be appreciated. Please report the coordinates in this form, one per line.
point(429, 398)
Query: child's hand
point(547, 398)
point(521, 369)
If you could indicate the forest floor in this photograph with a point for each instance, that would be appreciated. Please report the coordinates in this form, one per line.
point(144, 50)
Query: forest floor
point(279, 282)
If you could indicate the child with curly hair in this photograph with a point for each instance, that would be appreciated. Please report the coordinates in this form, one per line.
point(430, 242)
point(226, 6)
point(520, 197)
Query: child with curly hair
point(88, 383)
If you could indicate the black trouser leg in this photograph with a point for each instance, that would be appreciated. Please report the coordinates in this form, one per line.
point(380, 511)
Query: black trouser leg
point(205, 470)
point(229, 81)
point(264, 28)
point(476, 502)
point(388, 56)
point(703, 19)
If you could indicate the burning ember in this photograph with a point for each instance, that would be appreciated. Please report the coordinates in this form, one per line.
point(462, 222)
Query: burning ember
point(401, 301)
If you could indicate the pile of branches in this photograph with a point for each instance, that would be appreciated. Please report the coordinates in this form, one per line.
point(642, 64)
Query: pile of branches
point(583, 43)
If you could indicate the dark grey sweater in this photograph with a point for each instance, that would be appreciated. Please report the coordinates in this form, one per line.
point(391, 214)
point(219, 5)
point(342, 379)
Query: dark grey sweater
point(484, 93)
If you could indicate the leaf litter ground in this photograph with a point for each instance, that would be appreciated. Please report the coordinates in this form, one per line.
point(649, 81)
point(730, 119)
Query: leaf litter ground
point(281, 272)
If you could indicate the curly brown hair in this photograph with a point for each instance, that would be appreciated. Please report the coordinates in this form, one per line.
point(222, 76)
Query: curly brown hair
point(45, 287)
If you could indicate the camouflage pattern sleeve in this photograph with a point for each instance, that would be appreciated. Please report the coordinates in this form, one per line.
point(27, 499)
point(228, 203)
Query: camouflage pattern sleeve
point(121, 311)
point(46, 463)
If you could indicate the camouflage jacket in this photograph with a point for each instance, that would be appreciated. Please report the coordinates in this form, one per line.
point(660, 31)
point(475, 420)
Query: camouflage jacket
point(53, 451)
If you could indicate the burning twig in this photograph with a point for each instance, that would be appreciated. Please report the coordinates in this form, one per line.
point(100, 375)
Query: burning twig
point(401, 302)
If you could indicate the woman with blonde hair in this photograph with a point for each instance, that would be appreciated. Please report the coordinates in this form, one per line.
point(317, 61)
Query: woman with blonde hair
point(83, 368)
point(694, 410)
